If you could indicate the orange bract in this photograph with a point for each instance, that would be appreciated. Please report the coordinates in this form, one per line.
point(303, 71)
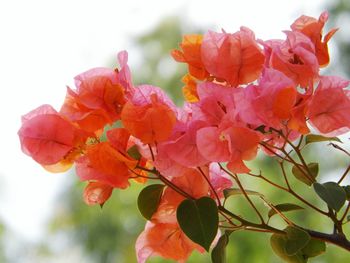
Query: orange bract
point(190, 88)
point(150, 123)
point(312, 28)
point(284, 102)
point(104, 163)
point(191, 54)
point(97, 193)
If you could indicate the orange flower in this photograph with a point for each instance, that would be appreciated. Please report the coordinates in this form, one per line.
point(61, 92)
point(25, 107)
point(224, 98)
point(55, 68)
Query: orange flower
point(190, 88)
point(312, 28)
point(97, 101)
point(165, 240)
point(191, 54)
point(97, 193)
point(102, 162)
point(151, 122)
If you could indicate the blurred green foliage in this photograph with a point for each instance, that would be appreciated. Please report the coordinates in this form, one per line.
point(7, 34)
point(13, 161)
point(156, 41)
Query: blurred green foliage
point(109, 234)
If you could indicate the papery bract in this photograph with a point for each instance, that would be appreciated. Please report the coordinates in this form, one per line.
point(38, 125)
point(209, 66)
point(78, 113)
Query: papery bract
point(187, 146)
point(228, 144)
point(215, 101)
point(97, 193)
point(270, 101)
point(295, 57)
point(330, 106)
point(48, 137)
point(191, 54)
point(151, 122)
point(165, 240)
point(312, 28)
point(235, 58)
point(190, 89)
point(104, 163)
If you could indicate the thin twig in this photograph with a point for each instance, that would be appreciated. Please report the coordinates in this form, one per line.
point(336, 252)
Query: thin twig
point(344, 175)
point(235, 177)
point(210, 185)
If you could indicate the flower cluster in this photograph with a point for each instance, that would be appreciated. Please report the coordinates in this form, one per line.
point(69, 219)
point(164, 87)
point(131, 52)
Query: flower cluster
point(242, 94)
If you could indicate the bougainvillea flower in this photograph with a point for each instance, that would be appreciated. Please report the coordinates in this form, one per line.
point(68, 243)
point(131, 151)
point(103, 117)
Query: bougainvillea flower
point(99, 96)
point(143, 96)
point(166, 165)
point(90, 120)
point(191, 54)
point(186, 145)
point(103, 163)
point(235, 58)
point(330, 106)
point(294, 57)
point(165, 240)
point(163, 236)
point(215, 101)
point(270, 101)
point(312, 28)
point(297, 122)
point(98, 100)
point(49, 138)
point(190, 89)
point(124, 75)
point(97, 193)
point(150, 123)
point(228, 144)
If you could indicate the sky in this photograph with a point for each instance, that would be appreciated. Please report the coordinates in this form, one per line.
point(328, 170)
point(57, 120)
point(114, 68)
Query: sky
point(44, 44)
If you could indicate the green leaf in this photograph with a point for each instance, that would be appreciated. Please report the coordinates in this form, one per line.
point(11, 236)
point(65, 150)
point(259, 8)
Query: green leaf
point(199, 220)
point(347, 191)
point(278, 244)
point(311, 138)
point(284, 208)
point(236, 191)
point(296, 240)
point(218, 255)
point(313, 169)
point(134, 153)
point(149, 199)
point(333, 194)
point(314, 248)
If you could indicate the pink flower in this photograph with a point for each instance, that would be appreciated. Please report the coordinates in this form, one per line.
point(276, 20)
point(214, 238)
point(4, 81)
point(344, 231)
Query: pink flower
point(330, 106)
point(49, 138)
point(183, 149)
point(215, 101)
point(270, 102)
point(234, 58)
point(295, 57)
point(228, 143)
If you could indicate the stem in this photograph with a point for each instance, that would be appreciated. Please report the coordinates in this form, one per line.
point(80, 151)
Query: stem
point(300, 167)
point(345, 213)
point(210, 185)
point(167, 182)
point(291, 191)
point(344, 175)
point(235, 177)
point(269, 181)
point(340, 148)
point(336, 239)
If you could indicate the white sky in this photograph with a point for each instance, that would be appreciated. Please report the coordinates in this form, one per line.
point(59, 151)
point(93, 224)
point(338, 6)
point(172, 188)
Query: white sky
point(44, 44)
